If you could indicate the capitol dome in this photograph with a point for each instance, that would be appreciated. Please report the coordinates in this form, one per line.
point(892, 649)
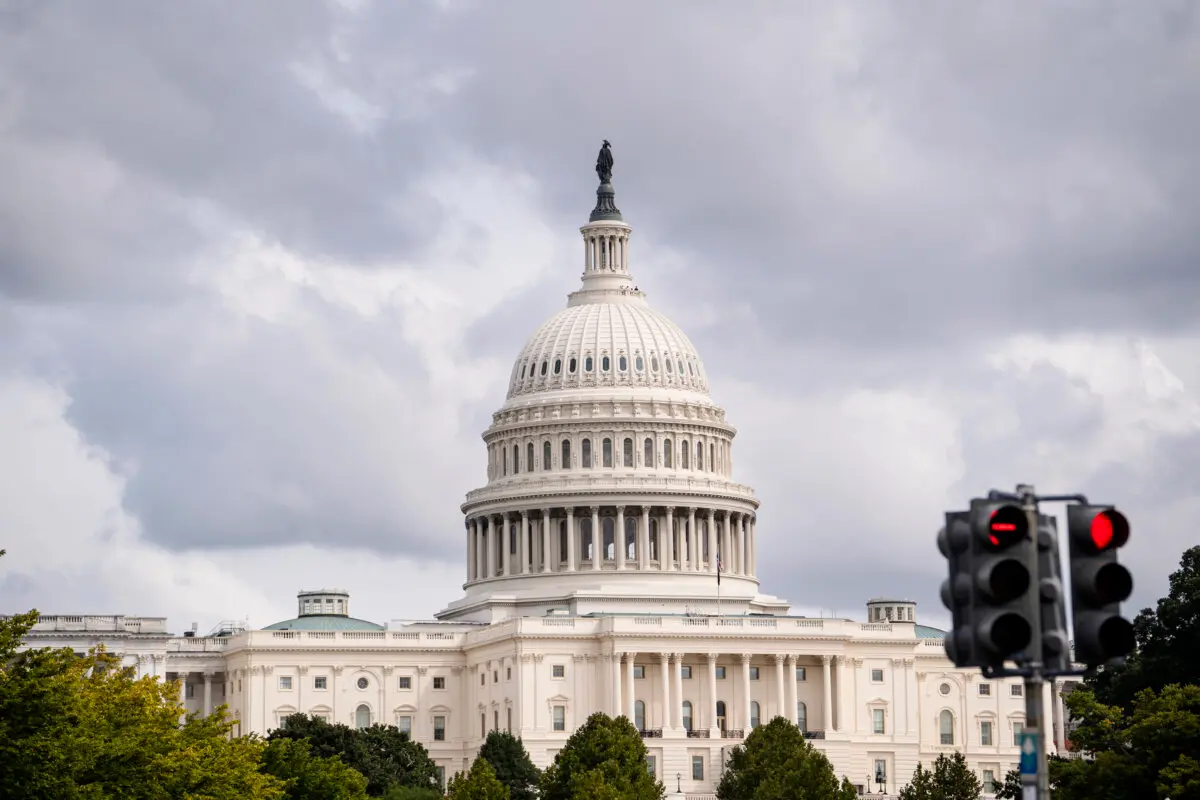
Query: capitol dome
point(610, 483)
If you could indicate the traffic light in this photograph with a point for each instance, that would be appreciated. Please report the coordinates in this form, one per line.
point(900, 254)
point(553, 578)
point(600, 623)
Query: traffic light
point(1098, 583)
point(1056, 655)
point(1001, 551)
point(954, 540)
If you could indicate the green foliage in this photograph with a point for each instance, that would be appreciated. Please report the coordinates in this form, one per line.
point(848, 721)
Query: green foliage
point(382, 753)
point(950, 779)
point(776, 763)
point(307, 777)
point(1011, 788)
point(604, 759)
point(1165, 636)
point(480, 783)
point(511, 763)
point(398, 792)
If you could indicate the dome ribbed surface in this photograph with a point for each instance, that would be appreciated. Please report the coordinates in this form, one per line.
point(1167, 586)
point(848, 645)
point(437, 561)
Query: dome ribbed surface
point(642, 348)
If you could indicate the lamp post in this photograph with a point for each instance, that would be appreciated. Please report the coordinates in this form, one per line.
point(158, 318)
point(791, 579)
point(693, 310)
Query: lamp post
point(679, 795)
point(881, 780)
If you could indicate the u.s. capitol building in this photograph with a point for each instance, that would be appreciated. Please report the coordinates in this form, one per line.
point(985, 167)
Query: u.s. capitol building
point(591, 560)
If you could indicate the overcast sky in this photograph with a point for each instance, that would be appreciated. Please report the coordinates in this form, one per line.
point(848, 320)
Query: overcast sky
point(264, 267)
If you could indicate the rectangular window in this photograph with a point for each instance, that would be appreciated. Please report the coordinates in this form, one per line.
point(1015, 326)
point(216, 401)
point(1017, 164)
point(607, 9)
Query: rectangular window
point(801, 674)
point(558, 671)
point(439, 729)
point(639, 672)
point(686, 671)
point(608, 454)
point(876, 676)
point(439, 683)
point(754, 673)
point(404, 724)
point(495, 676)
point(989, 782)
point(652, 765)
point(509, 726)
point(1017, 690)
point(405, 682)
point(189, 690)
point(320, 683)
point(720, 673)
point(508, 676)
point(880, 771)
point(1018, 729)
point(285, 682)
point(560, 718)
point(985, 690)
point(482, 725)
point(877, 721)
point(441, 777)
point(985, 733)
point(482, 679)
point(587, 454)
point(697, 768)
point(496, 720)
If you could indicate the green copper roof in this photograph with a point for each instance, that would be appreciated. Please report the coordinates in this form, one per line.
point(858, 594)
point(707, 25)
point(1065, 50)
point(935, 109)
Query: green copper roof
point(926, 632)
point(324, 622)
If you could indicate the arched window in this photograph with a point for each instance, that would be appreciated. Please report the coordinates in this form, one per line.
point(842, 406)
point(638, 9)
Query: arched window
point(639, 715)
point(545, 366)
point(653, 539)
point(571, 365)
point(608, 454)
point(627, 453)
point(529, 457)
point(610, 546)
point(668, 455)
point(802, 716)
point(516, 458)
point(585, 538)
point(683, 454)
point(362, 716)
point(654, 363)
point(630, 538)
point(699, 455)
point(721, 714)
point(587, 364)
point(622, 363)
point(546, 455)
point(754, 716)
point(946, 726)
point(587, 453)
point(687, 715)
point(566, 454)
point(639, 364)
point(648, 453)
point(604, 363)
point(557, 366)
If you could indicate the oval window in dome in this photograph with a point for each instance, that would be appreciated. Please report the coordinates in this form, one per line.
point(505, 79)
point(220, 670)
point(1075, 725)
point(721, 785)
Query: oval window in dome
point(690, 369)
point(557, 366)
point(587, 364)
point(668, 365)
point(677, 363)
point(639, 364)
point(523, 366)
point(545, 366)
point(571, 365)
point(622, 363)
point(654, 363)
point(605, 364)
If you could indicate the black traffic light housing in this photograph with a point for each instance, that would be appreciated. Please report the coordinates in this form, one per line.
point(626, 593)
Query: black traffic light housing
point(1098, 583)
point(954, 540)
point(1056, 650)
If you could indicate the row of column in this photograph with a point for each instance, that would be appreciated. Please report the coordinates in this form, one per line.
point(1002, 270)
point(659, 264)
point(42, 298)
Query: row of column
point(208, 676)
point(786, 700)
point(545, 542)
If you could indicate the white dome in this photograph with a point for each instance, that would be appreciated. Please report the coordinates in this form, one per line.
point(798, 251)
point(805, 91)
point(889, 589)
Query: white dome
point(608, 344)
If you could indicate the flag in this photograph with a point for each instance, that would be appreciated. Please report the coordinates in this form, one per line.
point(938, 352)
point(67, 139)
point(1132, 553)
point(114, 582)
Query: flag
point(718, 568)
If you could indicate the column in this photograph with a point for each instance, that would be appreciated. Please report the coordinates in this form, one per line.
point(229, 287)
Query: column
point(693, 549)
point(726, 543)
point(616, 685)
point(506, 544)
point(665, 663)
point(546, 539)
point(668, 543)
point(752, 546)
point(182, 677)
point(208, 676)
point(780, 694)
point(713, 546)
point(827, 710)
point(746, 693)
point(677, 670)
point(629, 685)
point(619, 540)
point(789, 666)
point(571, 535)
point(712, 694)
point(491, 548)
point(470, 552)
point(741, 544)
point(523, 547)
point(1060, 739)
point(597, 538)
point(643, 545)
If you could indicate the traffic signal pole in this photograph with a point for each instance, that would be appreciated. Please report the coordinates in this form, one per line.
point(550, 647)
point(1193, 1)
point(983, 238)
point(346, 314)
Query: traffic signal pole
point(1035, 779)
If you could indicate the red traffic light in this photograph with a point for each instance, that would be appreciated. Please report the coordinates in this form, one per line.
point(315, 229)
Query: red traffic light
point(1098, 530)
point(1007, 525)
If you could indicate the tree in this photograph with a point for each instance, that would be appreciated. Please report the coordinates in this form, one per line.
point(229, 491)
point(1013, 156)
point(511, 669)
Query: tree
point(920, 787)
point(1165, 652)
point(953, 780)
point(512, 764)
point(777, 763)
point(604, 758)
point(307, 777)
point(385, 755)
point(480, 783)
point(398, 792)
point(1011, 788)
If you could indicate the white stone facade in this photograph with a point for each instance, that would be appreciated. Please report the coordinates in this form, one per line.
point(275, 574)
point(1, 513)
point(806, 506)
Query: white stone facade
point(591, 566)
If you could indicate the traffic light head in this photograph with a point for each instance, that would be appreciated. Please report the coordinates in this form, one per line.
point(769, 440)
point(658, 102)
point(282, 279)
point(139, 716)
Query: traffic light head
point(1099, 583)
point(1001, 557)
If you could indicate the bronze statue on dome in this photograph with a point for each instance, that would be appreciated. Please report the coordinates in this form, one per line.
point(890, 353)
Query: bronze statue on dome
point(604, 163)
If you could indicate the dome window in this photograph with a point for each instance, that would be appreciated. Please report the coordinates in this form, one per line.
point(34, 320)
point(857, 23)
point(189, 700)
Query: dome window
point(677, 363)
point(654, 363)
point(587, 364)
point(571, 365)
point(545, 366)
point(622, 363)
point(690, 369)
point(668, 365)
point(557, 366)
point(604, 363)
point(638, 364)
point(523, 366)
